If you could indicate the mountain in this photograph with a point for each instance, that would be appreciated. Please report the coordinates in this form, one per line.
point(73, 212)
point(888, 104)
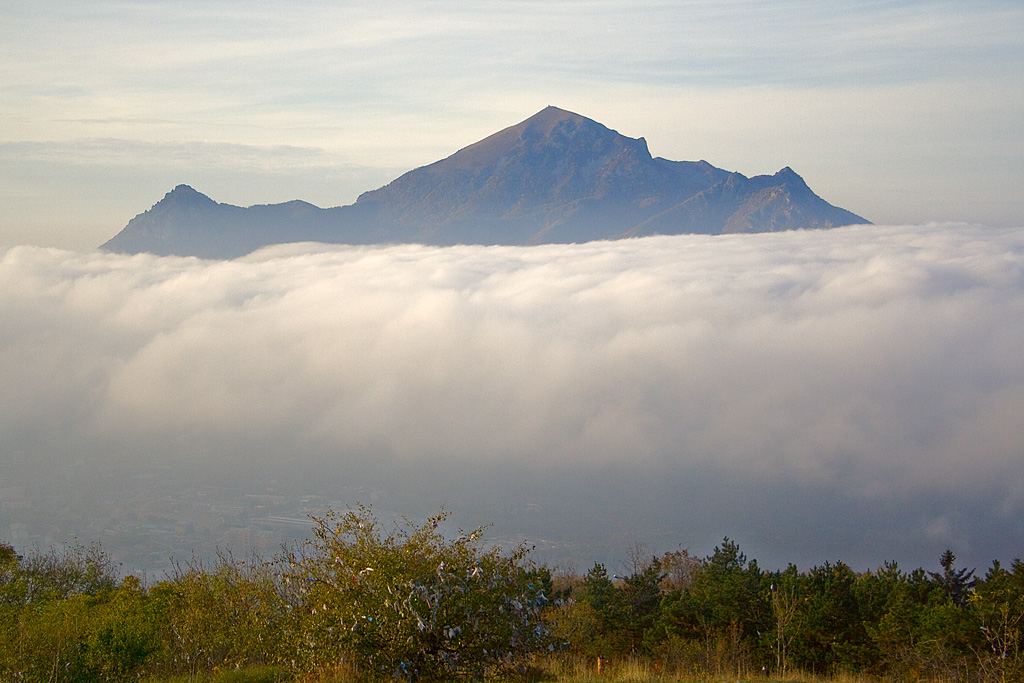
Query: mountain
point(556, 177)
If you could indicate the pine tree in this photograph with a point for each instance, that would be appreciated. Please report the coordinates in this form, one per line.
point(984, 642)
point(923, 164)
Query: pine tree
point(957, 583)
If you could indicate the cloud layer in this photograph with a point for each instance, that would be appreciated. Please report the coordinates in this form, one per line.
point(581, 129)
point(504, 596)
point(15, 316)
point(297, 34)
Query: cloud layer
point(853, 393)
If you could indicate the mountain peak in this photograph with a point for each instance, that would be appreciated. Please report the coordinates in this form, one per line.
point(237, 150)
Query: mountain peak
point(555, 177)
point(539, 126)
point(548, 117)
point(552, 158)
point(184, 195)
point(791, 177)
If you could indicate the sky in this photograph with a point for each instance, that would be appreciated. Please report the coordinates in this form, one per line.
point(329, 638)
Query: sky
point(845, 395)
point(902, 112)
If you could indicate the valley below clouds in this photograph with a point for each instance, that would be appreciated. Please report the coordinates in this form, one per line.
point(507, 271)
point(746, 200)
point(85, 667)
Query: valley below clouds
point(854, 394)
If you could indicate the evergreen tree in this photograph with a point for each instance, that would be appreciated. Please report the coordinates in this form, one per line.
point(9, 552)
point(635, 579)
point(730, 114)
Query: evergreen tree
point(957, 583)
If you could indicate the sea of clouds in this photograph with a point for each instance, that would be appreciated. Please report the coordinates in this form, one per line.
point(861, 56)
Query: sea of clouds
point(854, 394)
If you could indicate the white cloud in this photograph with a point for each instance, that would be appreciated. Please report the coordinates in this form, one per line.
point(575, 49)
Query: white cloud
point(882, 363)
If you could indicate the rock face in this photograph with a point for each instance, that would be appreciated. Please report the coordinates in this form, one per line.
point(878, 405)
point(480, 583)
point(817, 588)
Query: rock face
point(557, 177)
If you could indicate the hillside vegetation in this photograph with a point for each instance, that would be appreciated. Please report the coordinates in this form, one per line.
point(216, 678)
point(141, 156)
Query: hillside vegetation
point(359, 602)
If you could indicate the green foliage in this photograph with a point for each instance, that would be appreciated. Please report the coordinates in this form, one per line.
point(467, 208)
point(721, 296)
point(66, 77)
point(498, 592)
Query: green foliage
point(892, 604)
point(728, 593)
point(731, 607)
point(999, 604)
point(53, 606)
point(358, 602)
point(641, 601)
point(81, 638)
point(599, 614)
point(831, 632)
point(123, 633)
point(411, 604)
point(73, 570)
point(614, 615)
point(230, 616)
point(784, 596)
point(956, 583)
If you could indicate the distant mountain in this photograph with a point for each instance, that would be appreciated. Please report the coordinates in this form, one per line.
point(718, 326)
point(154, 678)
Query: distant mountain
point(557, 177)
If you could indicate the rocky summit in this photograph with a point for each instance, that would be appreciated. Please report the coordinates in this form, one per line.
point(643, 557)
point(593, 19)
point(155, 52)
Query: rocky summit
point(556, 177)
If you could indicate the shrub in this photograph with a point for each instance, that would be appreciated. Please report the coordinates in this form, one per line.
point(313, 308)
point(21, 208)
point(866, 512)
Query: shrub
point(227, 617)
point(57, 617)
point(411, 604)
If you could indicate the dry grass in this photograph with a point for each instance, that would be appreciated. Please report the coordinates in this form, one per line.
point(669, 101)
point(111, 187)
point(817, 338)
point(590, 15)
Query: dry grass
point(586, 670)
point(339, 673)
point(554, 670)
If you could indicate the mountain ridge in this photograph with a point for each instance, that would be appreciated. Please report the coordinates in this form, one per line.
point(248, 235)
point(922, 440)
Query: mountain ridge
point(556, 177)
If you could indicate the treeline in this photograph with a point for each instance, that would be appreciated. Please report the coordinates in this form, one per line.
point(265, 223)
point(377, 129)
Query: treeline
point(409, 604)
point(723, 615)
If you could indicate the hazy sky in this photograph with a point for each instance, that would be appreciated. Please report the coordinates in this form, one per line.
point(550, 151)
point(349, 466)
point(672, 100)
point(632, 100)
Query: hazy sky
point(903, 112)
point(851, 394)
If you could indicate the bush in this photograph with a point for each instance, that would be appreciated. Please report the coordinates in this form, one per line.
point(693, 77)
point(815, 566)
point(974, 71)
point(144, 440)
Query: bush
point(413, 605)
point(227, 617)
point(63, 619)
point(74, 570)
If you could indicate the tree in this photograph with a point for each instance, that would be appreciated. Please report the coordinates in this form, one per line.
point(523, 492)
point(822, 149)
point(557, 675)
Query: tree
point(56, 574)
point(63, 617)
point(680, 569)
point(123, 633)
point(958, 584)
point(229, 615)
point(411, 604)
point(784, 602)
point(728, 588)
point(600, 606)
point(999, 603)
point(731, 607)
point(831, 635)
point(12, 579)
point(641, 594)
point(625, 608)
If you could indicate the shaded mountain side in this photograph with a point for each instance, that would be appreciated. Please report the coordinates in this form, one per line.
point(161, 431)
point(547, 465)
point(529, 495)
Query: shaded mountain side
point(187, 222)
point(740, 204)
point(556, 177)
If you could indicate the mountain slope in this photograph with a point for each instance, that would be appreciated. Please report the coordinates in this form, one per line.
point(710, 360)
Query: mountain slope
point(740, 204)
point(187, 222)
point(556, 177)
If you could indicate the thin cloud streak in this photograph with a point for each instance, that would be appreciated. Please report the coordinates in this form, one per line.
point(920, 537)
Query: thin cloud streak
point(878, 364)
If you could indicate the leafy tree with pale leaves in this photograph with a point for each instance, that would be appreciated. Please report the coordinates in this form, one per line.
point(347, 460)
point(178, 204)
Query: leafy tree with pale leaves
point(413, 605)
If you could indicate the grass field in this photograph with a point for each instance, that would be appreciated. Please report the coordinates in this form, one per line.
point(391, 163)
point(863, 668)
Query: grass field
point(566, 671)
